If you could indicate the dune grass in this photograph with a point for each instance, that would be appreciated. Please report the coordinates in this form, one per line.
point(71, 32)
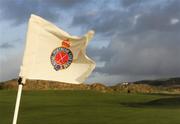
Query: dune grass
point(90, 107)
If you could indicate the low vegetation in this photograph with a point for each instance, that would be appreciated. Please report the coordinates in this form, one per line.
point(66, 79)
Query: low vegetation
point(90, 107)
point(171, 85)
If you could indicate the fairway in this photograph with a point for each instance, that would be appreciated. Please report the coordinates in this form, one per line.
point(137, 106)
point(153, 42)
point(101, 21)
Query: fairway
point(90, 107)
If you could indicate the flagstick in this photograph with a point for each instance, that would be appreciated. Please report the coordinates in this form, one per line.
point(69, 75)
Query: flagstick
point(20, 86)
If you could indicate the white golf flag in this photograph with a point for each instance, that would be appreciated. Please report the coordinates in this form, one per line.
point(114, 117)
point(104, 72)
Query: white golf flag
point(54, 55)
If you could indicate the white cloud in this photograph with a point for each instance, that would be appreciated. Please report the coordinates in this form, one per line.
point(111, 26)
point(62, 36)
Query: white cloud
point(136, 18)
point(174, 21)
point(10, 65)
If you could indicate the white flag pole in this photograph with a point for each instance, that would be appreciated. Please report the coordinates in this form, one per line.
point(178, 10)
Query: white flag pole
point(18, 99)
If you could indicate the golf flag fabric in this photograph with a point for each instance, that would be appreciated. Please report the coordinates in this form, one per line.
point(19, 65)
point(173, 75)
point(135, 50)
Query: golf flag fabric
point(54, 55)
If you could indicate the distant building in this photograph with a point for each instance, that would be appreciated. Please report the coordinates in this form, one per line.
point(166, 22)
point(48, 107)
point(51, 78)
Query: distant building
point(125, 83)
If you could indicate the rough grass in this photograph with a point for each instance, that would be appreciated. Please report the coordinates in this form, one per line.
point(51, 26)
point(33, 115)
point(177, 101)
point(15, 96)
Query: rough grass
point(90, 107)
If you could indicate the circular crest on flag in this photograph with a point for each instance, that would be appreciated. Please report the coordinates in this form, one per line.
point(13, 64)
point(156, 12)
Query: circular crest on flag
point(61, 57)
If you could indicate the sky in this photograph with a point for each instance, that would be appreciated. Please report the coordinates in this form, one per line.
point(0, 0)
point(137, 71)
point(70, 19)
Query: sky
point(134, 40)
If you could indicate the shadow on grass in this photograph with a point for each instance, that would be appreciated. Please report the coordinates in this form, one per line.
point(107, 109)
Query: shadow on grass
point(171, 102)
point(164, 94)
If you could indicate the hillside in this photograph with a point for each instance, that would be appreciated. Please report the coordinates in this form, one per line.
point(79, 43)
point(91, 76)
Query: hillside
point(53, 85)
point(161, 82)
point(171, 85)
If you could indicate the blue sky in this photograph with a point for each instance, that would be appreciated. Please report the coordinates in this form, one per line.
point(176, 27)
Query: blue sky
point(135, 39)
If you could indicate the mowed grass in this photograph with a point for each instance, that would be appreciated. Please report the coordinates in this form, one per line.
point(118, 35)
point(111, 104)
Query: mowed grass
point(90, 107)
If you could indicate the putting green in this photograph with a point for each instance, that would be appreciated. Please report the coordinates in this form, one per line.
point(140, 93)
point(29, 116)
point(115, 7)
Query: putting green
point(90, 107)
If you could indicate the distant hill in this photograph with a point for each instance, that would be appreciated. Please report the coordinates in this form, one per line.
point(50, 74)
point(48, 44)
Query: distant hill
point(53, 85)
point(144, 86)
point(161, 82)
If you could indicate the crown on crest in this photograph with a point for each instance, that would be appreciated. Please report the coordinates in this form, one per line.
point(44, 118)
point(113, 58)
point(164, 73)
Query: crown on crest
point(66, 43)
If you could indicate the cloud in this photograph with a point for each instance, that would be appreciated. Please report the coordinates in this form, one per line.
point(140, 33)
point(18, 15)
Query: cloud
point(127, 3)
point(9, 66)
point(137, 18)
point(19, 11)
point(150, 53)
point(148, 48)
point(160, 18)
point(66, 3)
point(106, 22)
point(6, 45)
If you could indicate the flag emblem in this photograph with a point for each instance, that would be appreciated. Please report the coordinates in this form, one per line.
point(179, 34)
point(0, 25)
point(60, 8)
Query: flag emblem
point(62, 57)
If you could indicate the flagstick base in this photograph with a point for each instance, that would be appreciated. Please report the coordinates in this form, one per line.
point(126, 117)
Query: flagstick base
point(17, 103)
